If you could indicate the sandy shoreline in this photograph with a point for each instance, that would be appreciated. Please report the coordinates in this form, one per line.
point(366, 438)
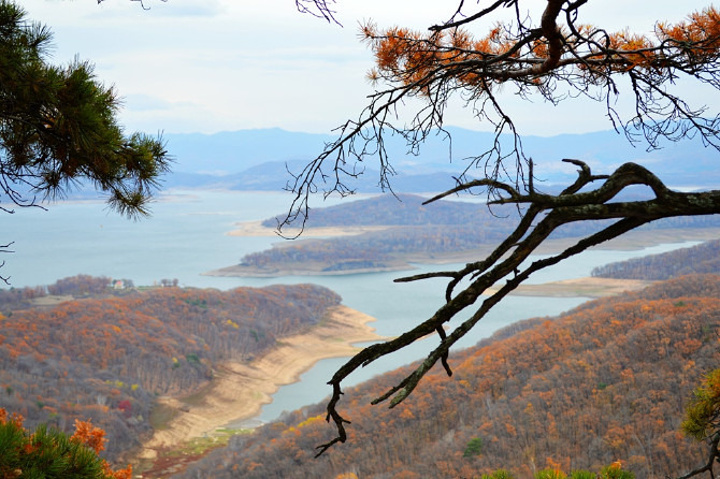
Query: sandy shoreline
point(239, 390)
point(635, 239)
point(255, 228)
point(580, 287)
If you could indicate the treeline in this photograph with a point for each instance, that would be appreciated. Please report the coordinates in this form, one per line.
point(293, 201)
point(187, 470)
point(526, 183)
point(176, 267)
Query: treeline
point(81, 285)
point(408, 210)
point(106, 359)
point(380, 250)
point(605, 382)
point(701, 259)
point(386, 249)
point(394, 210)
point(416, 232)
point(390, 248)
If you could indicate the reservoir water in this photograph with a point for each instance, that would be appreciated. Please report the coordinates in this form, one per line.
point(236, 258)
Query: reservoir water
point(187, 236)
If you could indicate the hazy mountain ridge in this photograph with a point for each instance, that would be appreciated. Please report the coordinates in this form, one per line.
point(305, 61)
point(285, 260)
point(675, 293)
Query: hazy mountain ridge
point(231, 159)
point(601, 383)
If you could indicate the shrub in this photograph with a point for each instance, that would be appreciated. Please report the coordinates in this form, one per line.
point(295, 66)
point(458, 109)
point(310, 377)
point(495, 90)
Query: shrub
point(50, 453)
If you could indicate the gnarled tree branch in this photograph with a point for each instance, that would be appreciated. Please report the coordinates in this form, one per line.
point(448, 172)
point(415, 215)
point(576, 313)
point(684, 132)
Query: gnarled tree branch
point(714, 458)
point(542, 215)
point(559, 57)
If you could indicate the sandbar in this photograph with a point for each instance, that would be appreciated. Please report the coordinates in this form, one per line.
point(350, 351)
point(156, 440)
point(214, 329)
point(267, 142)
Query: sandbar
point(579, 287)
point(239, 390)
point(256, 228)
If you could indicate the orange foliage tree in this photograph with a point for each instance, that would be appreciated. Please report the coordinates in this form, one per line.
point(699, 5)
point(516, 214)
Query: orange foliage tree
point(108, 358)
point(554, 55)
point(50, 453)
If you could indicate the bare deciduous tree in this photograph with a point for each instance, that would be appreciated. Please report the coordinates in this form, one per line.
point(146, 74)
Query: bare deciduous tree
point(559, 58)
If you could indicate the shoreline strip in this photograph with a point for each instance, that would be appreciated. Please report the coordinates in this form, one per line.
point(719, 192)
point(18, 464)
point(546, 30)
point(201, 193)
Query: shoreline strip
point(239, 390)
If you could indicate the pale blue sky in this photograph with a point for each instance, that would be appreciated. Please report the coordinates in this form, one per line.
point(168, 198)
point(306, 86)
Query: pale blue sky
point(219, 65)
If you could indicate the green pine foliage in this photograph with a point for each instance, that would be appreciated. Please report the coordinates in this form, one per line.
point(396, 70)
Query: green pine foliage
point(550, 473)
point(615, 471)
point(702, 417)
point(48, 453)
point(58, 126)
point(51, 454)
point(582, 474)
point(498, 474)
point(473, 448)
point(702, 420)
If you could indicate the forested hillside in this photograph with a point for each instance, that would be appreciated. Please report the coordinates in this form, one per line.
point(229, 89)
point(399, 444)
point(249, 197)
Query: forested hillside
point(702, 259)
point(409, 210)
point(607, 381)
point(398, 210)
point(106, 358)
point(442, 230)
point(78, 286)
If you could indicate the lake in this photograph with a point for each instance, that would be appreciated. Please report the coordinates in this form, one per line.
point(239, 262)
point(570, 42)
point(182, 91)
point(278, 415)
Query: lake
point(186, 236)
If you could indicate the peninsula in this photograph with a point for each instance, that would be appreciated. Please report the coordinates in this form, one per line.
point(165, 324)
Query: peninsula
point(386, 233)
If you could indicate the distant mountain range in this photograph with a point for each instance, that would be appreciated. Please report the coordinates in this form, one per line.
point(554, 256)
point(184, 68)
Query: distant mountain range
point(261, 159)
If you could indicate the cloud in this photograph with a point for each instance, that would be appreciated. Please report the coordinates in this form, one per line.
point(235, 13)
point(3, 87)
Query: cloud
point(185, 8)
point(191, 65)
point(141, 102)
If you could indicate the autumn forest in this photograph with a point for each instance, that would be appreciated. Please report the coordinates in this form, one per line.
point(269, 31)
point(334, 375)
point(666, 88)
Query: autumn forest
point(605, 382)
point(408, 231)
point(105, 355)
point(503, 116)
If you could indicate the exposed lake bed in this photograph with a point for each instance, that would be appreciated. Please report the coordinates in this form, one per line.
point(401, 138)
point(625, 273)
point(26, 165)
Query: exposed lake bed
point(239, 390)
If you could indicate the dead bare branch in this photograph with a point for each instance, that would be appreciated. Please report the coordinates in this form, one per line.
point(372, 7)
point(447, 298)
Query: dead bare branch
point(505, 263)
point(714, 458)
point(558, 58)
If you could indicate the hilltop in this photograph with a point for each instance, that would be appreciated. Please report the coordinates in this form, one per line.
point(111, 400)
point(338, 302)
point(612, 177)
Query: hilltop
point(112, 356)
point(703, 258)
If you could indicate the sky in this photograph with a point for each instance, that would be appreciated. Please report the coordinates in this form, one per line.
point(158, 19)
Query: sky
point(206, 66)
